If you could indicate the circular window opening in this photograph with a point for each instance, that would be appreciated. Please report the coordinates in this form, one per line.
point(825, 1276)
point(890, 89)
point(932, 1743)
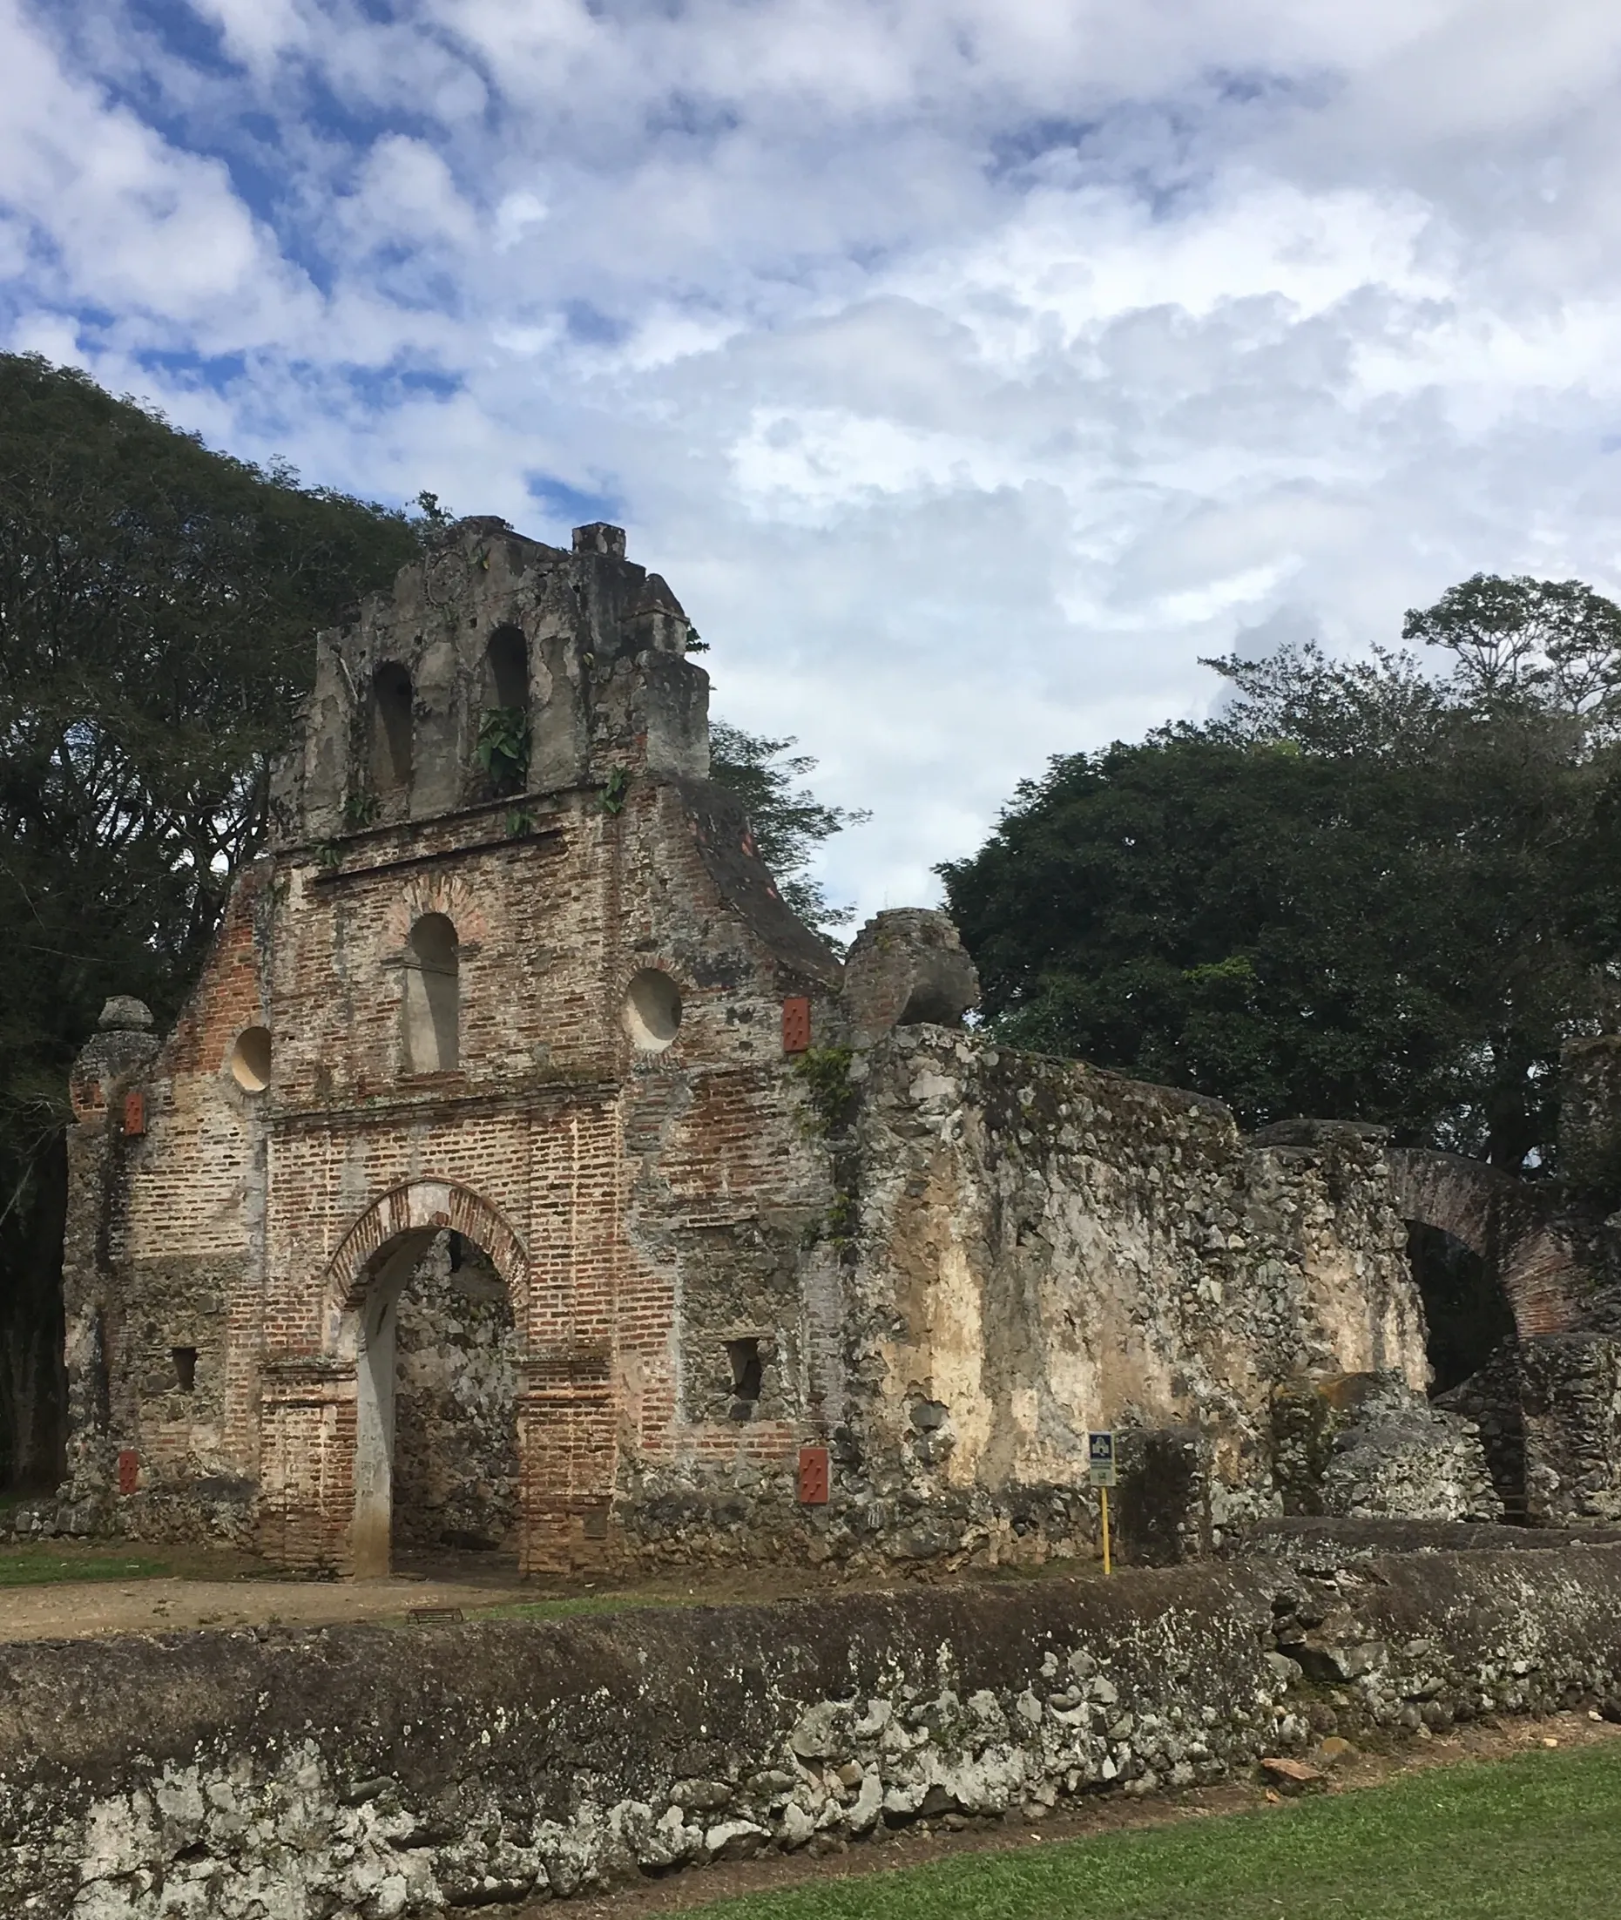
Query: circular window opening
point(652, 1010)
point(250, 1059)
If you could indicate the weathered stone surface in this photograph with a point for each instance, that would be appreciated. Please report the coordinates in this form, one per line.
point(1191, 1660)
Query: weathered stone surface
point(292, 1776)
point(1043, 1248)
point(1290, 1776)
point(1394, 1454)
point(455, 1413)
point(907, 967)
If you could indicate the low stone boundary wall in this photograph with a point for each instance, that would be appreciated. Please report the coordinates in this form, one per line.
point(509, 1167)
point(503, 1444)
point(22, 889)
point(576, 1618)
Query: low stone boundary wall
point(274, 1775)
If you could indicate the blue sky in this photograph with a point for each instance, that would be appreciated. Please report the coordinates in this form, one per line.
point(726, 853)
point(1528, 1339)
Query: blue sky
point(969, 367)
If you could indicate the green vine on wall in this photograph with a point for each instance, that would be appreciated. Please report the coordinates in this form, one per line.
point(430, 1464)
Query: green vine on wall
point(830, 1106)
point(361, 809)
point(613, 794)
point(503, 747)
point(824, 1073)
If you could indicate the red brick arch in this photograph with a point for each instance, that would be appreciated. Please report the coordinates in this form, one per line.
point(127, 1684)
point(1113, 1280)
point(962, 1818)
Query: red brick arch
point(1502, 1219)
point(426, 1205)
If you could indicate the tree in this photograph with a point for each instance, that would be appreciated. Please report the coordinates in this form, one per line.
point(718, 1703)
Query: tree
point(156, 606)
point(1549, 645)
point(1359, 892)
point(789, 822)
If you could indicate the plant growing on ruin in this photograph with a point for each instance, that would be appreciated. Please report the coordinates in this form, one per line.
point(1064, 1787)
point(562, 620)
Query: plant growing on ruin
point(788, 820)
point(824, 1074)
point(503, 747)
point(361, 809)
point(831, 1097)
point(614, 791)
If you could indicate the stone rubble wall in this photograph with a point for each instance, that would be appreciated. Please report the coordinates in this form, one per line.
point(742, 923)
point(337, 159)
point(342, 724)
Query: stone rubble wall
point(1043, 1248)
point(455, 1408)
point(1366, 1446)
point(375, 1772)
point(1549, 1410)
point(1570, 1402)
point(1399, 1457)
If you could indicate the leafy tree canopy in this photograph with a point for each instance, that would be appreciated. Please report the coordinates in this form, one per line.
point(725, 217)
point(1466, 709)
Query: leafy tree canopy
point(156, 605)
point(789, 822)
point(1360, 891)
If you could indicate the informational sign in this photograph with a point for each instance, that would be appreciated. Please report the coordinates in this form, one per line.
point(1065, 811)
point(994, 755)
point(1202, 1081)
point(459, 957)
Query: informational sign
point(1100, 1459)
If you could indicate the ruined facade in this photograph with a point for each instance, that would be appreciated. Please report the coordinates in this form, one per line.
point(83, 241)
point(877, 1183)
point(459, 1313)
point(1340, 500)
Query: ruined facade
point(522, 1173)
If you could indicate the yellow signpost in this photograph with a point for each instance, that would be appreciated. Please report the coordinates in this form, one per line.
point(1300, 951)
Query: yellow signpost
point(1100, 1473)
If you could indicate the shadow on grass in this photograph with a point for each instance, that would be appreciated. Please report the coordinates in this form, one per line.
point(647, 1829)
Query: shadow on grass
point(43, 1564)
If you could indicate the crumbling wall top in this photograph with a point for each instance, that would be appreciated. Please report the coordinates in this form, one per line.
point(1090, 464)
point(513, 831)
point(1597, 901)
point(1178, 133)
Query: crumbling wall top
point(907, 967)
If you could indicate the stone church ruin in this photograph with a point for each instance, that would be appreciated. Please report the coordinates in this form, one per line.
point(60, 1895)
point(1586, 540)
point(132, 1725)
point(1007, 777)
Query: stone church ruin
point(522, 1175)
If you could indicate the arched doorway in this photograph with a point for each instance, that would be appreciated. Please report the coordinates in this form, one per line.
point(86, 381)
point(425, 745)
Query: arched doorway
point(1467, 1315)
point(1492, 1271)
point(1503, 1221)
point(455, 1454)
point(430, 1319)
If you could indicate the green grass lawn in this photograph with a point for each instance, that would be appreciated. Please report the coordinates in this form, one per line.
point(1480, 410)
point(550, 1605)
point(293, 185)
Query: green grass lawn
point(1535, 1838)
point(43, 1563)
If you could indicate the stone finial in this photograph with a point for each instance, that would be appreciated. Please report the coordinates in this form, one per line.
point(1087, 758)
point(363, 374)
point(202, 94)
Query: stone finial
point(123, 1013)
point(599, 537)
point(905, 968)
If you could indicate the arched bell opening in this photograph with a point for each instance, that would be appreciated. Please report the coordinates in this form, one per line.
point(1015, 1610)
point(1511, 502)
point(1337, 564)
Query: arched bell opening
point(506, 666)
point(391, 731)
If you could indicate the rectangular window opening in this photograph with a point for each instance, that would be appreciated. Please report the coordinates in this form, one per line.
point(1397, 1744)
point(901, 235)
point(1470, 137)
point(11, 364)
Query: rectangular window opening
point(746, 1364)
point(185, 1368)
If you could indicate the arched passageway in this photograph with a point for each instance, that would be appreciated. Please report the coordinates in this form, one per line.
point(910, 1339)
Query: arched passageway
point(431, 1325)
point(1493, 1270)
point(1467, 1315)
point(455, 1456)
point(330, 1418)
point(436, 1379)
point(1501, 1220)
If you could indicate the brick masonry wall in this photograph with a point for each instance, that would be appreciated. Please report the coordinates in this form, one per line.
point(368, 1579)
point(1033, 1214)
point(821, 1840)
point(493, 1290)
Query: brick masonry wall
point(610, 1185)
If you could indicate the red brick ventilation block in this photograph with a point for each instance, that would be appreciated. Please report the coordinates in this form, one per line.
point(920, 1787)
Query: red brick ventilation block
point(129, 1470)
point(796, 1025)
point(134, 1115)
point(813, 1476)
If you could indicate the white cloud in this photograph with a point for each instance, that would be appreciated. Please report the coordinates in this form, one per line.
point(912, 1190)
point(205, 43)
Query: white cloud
point(968, 368)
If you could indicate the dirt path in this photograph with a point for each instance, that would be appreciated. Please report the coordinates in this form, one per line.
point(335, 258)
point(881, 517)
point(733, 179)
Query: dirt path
point(199, 1587)
point(84, 1610)
point(1107, 1813)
